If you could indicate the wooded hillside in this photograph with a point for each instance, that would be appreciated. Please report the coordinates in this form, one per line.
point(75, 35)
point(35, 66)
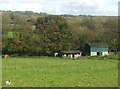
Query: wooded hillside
point(28, 33)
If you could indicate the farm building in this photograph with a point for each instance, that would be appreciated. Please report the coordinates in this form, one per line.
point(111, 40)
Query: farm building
point(95, 49)
point(70, 54)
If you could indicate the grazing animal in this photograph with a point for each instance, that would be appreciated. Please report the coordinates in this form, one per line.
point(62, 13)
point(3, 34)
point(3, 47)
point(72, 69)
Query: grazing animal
point(8, 82)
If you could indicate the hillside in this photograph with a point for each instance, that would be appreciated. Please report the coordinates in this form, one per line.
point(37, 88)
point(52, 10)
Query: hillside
point(28, 33)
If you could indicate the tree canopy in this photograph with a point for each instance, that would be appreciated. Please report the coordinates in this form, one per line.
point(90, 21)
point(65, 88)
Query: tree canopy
point(26, 33)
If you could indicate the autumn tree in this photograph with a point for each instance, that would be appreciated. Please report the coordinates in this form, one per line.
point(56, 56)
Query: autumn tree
point(55, 34)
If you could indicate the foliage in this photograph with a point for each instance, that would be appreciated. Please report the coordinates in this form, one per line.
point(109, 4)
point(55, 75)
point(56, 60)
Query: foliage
point(28, 33)
point(95, 29)
point(55, 33)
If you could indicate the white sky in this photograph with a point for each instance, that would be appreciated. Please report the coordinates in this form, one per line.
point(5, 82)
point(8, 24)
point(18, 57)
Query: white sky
point(74, 7)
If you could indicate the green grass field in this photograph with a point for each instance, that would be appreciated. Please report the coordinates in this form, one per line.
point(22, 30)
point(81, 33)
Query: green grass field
point(60, 72)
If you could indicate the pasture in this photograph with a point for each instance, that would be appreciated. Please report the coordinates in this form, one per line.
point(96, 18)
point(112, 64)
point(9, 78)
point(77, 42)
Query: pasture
point(60, 72)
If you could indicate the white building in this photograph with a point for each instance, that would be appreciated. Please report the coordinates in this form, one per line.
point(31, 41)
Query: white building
point(95, 49)
point(71, 53)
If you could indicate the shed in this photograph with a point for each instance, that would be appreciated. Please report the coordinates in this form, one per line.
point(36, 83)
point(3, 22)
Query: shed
point(70, 54)
point(94, 49)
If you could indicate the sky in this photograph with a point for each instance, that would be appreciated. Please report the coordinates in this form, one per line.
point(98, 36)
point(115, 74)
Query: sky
point(57, 7)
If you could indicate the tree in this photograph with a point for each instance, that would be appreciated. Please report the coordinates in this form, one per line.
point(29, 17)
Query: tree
point(55, 33)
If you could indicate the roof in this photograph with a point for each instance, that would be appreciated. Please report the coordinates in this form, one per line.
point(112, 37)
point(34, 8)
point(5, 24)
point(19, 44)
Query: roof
point(98, 45)
point(71, 51)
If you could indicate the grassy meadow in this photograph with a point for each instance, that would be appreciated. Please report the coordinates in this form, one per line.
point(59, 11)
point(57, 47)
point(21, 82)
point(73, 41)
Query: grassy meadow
point(60, 72)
